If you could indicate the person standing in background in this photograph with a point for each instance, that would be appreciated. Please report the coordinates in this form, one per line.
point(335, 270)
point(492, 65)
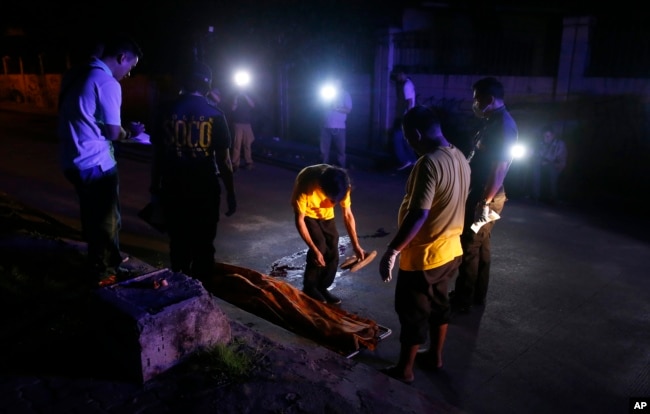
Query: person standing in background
point(89, 124)
point(404, 153)
point(549, 161)
point(242, 119)
point(333, 131)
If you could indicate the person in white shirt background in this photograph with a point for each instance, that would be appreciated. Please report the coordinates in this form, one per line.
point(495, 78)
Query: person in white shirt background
point(405, 155)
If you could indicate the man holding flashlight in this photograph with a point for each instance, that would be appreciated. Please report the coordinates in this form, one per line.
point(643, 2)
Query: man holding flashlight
point(242, 119)
point(333, 131)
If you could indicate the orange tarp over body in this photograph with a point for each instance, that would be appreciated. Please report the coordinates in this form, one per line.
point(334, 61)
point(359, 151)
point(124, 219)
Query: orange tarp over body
point(282, 304)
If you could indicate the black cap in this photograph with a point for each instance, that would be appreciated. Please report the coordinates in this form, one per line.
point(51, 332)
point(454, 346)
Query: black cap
point(197, 77)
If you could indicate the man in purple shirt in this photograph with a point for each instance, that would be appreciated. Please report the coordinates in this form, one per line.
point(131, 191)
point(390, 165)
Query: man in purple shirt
point(89, 123)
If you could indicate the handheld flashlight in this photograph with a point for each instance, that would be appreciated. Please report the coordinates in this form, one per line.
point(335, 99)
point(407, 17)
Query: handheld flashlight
point(242, 78)
point(518, 151)
point(328, 92)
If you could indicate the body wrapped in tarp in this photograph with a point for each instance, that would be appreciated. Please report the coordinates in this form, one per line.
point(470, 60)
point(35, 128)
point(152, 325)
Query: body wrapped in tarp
point(279, 302)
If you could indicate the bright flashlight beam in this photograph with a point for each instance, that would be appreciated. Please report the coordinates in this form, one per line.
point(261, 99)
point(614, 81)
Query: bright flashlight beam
point(242, 78)
point(518, 151)
point(328, 92)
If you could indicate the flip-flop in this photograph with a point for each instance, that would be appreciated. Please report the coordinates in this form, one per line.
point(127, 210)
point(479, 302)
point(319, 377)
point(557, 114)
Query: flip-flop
point(347, 263)
point(362, 263)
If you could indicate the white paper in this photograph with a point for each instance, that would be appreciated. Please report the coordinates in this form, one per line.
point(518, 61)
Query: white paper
point(492, 216)
point(141, 138)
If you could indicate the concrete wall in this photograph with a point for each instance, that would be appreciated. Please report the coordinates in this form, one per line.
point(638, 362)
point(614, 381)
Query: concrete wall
point(604, 120)
point(139, 94)
point(34, 90)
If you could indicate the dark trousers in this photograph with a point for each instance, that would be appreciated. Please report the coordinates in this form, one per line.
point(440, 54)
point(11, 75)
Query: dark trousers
point(326, 238)
point(99, 207)
point(333, 137)
point(421, 301)
point(192, 227)
point(474, 271)
point(545, 176)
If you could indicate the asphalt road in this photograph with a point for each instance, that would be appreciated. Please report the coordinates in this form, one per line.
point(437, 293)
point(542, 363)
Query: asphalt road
point(565, 329)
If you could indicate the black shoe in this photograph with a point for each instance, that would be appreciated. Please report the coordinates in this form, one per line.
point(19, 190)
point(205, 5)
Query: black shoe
point(331, 299)
point(314, 294)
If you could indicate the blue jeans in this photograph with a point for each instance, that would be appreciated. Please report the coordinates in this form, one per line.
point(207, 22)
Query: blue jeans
point(99, 207)
point(333, 137)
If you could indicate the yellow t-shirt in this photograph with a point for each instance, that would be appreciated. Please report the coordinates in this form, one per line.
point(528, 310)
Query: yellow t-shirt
point(439, 182)
point(308, 197)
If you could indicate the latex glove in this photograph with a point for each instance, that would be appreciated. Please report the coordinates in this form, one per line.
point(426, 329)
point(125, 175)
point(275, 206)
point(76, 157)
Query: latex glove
point(387, 263)
point(232, 204)
point(482, 214)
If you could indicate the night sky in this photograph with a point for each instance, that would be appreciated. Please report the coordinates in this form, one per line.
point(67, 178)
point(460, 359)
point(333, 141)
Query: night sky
point(264, 30)
point(169, 30)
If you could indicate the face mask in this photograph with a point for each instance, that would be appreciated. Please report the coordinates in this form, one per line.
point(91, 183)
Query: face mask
point(478, 112)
